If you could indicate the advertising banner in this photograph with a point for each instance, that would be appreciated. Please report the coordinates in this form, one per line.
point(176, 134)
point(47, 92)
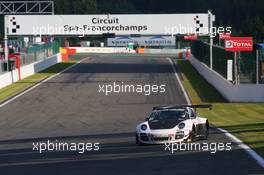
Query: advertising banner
point(230, 70)
point(123, 41)
point(190, 37)
point(225, 36)
point(235, 44)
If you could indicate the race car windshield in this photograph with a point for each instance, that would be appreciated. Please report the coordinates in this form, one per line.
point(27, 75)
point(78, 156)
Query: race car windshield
point(168, 115)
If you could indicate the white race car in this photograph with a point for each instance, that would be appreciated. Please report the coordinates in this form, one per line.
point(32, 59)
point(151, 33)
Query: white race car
point(173, 124)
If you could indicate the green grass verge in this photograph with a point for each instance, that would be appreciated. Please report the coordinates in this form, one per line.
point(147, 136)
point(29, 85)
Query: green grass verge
point(244, 120)
point(21, 85)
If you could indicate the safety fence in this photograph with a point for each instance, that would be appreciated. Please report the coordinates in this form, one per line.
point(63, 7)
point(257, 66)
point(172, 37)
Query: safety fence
point(246, 61)
point(39, 52)
point(33, 54)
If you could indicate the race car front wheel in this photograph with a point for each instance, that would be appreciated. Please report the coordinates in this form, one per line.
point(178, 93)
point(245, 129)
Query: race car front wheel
point(137, 141)
point(193, 134)
point(205, 131)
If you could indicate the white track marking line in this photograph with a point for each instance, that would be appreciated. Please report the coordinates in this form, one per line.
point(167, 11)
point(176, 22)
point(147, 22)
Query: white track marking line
point(179, 81)
point(38, 84)
point(245, 147)
point(239, 142)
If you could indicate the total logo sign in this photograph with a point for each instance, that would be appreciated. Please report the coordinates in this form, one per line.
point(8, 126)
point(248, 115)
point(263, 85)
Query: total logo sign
point(234, 44)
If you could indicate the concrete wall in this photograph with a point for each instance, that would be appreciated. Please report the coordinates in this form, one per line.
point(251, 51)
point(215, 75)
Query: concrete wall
point(233, 93)
point(124, 50)
point(27, 70)
point(103, 50)
point(163, 51)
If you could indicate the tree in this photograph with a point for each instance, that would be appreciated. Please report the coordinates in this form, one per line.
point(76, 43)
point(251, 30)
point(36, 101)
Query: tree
point(115, 6)
point(75, 7)
point(254, 27)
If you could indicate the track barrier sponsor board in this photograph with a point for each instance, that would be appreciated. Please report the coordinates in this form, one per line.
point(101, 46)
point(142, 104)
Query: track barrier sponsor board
point(225, 36)
point(190, 37)
point(235, 44)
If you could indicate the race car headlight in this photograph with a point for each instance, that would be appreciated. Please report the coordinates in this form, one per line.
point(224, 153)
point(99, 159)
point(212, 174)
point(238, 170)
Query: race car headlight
point(143, 127)
point(181, 125)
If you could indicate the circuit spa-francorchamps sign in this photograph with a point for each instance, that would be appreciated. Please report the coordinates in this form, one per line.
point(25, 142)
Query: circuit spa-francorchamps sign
point(150, 24)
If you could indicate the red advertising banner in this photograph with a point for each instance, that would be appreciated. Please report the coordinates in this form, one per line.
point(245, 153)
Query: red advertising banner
point(234, 44)
point(225, 36)
point(190, 37)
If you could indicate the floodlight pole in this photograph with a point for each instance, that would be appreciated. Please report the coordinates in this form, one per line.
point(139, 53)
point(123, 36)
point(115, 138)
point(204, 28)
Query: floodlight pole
point(6, 41)
point(211, 20)
point(257, 66)
point(236, 68)
point(211, 52)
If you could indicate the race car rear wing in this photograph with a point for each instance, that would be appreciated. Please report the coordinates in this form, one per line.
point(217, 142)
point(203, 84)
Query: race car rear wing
point(184, 106)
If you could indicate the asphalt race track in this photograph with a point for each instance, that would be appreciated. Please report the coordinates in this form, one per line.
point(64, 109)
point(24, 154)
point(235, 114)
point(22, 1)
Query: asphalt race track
point(69, 108)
